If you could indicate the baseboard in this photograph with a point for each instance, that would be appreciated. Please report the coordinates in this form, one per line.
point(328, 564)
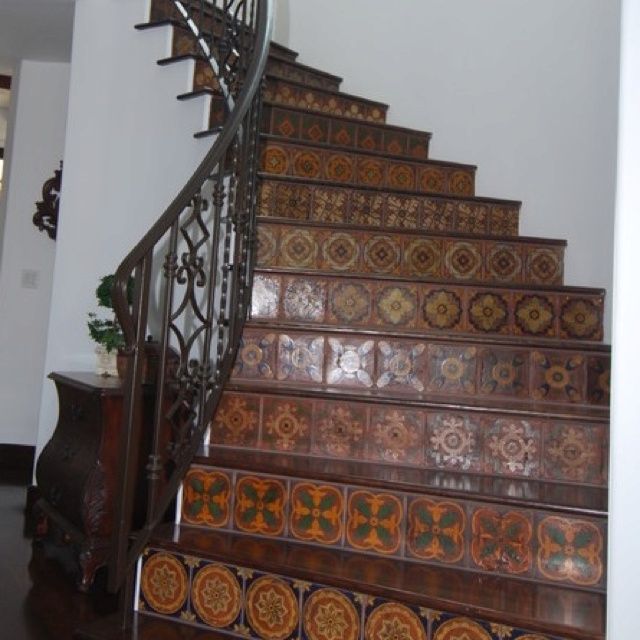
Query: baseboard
point(16, 463)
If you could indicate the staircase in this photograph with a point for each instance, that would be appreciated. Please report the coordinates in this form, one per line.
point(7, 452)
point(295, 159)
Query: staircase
point(413, 442)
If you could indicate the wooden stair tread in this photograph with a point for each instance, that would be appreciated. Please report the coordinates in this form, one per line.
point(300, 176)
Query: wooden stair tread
point(584, 413)
point(566, 612)
point(565, 498)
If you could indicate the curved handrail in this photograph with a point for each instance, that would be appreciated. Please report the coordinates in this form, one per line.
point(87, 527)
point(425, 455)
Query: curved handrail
point(196, 263)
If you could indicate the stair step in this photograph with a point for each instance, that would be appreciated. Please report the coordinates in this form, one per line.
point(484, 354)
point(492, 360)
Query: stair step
point(295, 123)
point(518, 445)
point(380, 302)
point(366, 593)
point(294, 198)
point(324, 163)
point(322, 247)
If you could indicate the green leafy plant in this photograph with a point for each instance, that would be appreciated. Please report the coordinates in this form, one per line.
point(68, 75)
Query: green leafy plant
point(107, 332)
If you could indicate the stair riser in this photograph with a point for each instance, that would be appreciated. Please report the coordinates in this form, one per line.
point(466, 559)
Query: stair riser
point(432, 308)
point(347, 206)
point(333, 165)
point(295, 95)
point(320, 129)
point(293, 247)
point(475, 536)
point(446, 440)
point(360, 616)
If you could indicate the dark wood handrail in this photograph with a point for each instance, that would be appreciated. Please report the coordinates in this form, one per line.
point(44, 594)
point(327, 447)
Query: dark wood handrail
point(192, 274)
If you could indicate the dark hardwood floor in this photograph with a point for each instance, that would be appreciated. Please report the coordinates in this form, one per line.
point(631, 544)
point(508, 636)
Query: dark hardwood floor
point(38, 599)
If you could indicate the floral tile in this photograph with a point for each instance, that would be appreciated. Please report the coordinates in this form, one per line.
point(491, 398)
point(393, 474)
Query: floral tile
point(449, 626)
point(501, 540)
point(437, 216)
point(513, 448)
point(298, 248)
point(442, 309)
point(535, 315)
point(370, 139)
point(306, 163)
point(350, 362)
point(260, 505)
point(265, 297)
point(375, 522)
point(570, 550)
point(329, 205)
point(236, 421)
point(317, 513)
point(339, 251)
point(350, 302)
point(340, 167)
point(463, 261)
point(216, 595)
point(329, 614)
point(315, 129)
point(558, 377)
point(401, 176)
point(403, 211)
point(423, 257)
point(206, 498)
point(267, 246)
point(366, 209)
point(394, 620)
point(504, 263)
point(436, 530)
point(402, 366)
point(396, 306)
point(287, 424)
point(396, 436)
point(304, 299)
point(300, 358)
point(256, 355)
point(544, 266)
point(454, 442)
point(339, 429)
point(504, 372)
point(576, 453)
point(292, 200)
point(452, 369)
point(164, 583)
point(381, 254)
point(271, 608)
point(488, 312)
point(599, 379)
point(581, 318)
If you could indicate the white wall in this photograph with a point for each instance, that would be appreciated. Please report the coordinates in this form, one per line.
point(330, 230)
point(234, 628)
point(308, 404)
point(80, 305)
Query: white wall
point(129, 149)
point(624, 515)
point(525, 90)
point(34, 150)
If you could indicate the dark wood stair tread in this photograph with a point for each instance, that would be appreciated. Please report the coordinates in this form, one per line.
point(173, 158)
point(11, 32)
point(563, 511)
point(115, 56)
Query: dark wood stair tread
point(565, 498)
point(566, 612)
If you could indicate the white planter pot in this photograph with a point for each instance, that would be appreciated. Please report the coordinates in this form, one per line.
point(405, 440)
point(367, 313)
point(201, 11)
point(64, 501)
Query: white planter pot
point(106, 362)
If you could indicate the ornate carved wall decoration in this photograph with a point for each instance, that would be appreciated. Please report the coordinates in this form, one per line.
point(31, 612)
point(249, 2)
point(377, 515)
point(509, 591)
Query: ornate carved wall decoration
point(46, 215)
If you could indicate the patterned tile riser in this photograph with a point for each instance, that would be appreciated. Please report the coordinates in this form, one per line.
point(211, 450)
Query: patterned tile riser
point(450, 259)
point(322, 129)
point(340, 167)
point(320, 101)
point(432, 308)
point(335, 205)
point(481, 537)
point(500, 445)
point(403, 368)
point(235, 600)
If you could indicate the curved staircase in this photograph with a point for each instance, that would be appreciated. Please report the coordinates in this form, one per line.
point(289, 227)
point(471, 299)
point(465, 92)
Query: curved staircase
point(413, 442)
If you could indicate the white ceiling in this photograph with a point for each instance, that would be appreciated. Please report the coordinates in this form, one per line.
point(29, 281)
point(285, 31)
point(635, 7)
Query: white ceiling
point(36, 30)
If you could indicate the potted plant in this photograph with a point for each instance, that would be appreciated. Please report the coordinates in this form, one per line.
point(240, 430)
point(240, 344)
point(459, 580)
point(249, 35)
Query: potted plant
point(106, 332)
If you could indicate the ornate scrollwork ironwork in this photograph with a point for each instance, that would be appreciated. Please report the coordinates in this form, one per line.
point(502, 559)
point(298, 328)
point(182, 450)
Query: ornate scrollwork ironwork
point(46, 215)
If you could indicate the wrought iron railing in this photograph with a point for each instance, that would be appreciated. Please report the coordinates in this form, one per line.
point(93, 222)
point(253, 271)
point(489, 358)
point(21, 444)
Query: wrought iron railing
point(192, 281)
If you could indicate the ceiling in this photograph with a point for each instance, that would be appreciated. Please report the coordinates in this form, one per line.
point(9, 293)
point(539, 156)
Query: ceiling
point(36, 30)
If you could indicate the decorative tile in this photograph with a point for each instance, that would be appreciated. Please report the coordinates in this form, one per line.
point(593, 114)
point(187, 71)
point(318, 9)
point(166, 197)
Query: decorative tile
point(256, 356)
point(381, 254)
point(401, 176)
point(350, 362)
point(436, 530)
point(393, 620)
point(341, 252)
point(236, 420)
point(504, 263)
point(461, 183)
point(512, 448)
point(581, 319)
point(344, 134)
point(260, 505)
point(544, 266)
point(316, 513)
point(350, 302)
point(216, 595)
point(287, 424)
point(576, 453)
point(396, 306)
point(463, 261)
point(374, 522)
point(164, 583)
point(298, 248)
point(304, 299)
point(272, 608)
point(423, 257)
point(267, 246)
point(340, 429)
point(534, 315)
point(489, 313)
point(558, 377)
point(275, 160)
point(339, 168)
point(501, 541)
point(442, 309)
point(401, 365)
point(328, 614)
point(265, 297)
point(599, 379)
point(315, 128)
point(452, 369)
point(570, 550)
point(460, 628)
point(366, 209)
point(329, 205)
point(371, 172)
point(206, 498)
point(453, 442)
point(292, 200)
point(396, 436)
point(504, 372)
point(403, 211)
point(300, 358)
